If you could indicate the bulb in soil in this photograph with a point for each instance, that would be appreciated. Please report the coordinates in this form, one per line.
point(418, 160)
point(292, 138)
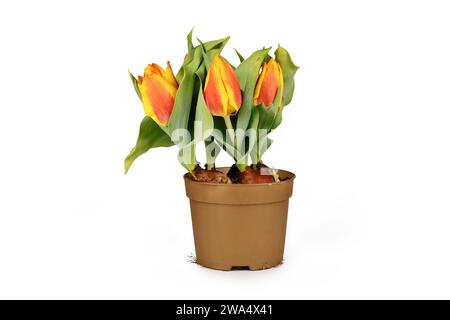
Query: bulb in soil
point(250, 175)
point(211, 176)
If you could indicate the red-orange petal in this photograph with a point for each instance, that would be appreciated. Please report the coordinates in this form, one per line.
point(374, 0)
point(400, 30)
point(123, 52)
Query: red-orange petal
point(232, 87)
point(222, 90)
point(158, 102)
point(214, 92)
point(269, 86)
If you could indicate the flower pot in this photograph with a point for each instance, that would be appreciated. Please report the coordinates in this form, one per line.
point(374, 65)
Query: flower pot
point(239, 225)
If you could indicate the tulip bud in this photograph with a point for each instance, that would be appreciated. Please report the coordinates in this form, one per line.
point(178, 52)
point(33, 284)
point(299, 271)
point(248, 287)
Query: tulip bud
point(158, 89)
point(222, 90)
point(270, 79)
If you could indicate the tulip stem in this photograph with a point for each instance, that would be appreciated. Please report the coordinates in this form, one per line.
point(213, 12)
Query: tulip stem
point(258, 158)
point(211, 154)
point(230, 129)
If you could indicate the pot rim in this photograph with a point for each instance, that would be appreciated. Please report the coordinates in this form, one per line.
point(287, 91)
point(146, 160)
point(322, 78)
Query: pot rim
point(291, 177)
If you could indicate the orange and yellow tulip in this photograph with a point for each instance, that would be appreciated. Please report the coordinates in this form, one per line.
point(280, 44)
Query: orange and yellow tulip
point(158, 88)
point(222, 91)
point(269, 81)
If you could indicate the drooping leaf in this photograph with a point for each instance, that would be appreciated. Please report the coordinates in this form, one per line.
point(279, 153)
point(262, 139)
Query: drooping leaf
point(245, 72)
point(289, 69)
point(150, 136)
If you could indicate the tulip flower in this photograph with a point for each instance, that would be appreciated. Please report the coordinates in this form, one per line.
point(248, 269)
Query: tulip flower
point(269, 81)
point(158, 88)
point(222, 90)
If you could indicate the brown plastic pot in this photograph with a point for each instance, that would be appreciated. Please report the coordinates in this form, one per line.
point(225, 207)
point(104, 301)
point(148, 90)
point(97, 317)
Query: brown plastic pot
point(239, 225)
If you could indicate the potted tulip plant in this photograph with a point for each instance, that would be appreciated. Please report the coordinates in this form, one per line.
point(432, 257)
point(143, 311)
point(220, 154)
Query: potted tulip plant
point(239, 214)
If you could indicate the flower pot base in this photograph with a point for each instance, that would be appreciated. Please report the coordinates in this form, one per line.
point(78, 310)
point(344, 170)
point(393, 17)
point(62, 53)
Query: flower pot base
point(240, 226)
point(228, 267)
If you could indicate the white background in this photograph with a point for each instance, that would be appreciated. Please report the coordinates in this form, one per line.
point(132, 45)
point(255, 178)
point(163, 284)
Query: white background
point(367, 135)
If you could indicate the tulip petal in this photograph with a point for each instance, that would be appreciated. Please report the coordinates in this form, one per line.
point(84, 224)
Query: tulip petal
point(170, 76)
point(153, 69)
point(215, 92)
point(231, 85)
point(158, 97)
point(258, 85)
point(281, 82)
point(269, 85)
point(222, 90)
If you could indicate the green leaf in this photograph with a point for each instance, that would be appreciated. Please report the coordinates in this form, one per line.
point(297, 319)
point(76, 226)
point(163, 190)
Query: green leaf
point(135, 84)
point(268, 142)
point(190, 47)
point(150, 136)
point(216, 45)
point(267, 58)
point(268, 119)
point(277, 120)
point(186, 156)
point(212, 151)
point(204, 123)
point(180, 75)
point(206, 58)
point(241, 58)
point(189, 41)
point(268, 115)
point(251, 141)
point(212, 48)
point(262, 145)
point(247, 72)
point(183, 112)
point(220, 135)
point(289, 69)
point(183, 100)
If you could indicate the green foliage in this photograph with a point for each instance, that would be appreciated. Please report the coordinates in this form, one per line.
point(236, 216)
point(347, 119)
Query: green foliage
point(241, 58)
point(190, 107)
point(247, 74)
point(289, 69)
point(150, 136)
